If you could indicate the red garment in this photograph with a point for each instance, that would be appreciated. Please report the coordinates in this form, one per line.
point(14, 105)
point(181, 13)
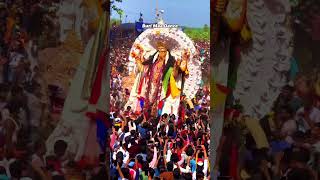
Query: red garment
point(237, 52)
point(160, 105)
point(96, 90)
point(234, 112)
point(132, 174)
point(179, 152)
point(184, 133)
point(134, 150)
point(182, 112)
point(19, 154)
point(180, 123)
point(168, 91)
point(140, 85)
point(234, 162)
point(56, 164)
point(316, 28)
point(126, 113)
point(139, 166)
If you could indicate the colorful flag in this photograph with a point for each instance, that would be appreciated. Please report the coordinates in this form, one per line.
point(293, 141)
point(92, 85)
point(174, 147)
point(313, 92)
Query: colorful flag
point(220, 93)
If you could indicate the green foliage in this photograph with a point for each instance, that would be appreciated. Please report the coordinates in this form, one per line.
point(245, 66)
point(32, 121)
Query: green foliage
point(114, 7)
point(198, 33)
point(119, 11)
point(115, 21)
point(206, 28)
point(113, 1)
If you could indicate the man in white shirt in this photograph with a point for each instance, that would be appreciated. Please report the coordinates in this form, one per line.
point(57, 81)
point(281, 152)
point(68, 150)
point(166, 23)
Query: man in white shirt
point(125, 153)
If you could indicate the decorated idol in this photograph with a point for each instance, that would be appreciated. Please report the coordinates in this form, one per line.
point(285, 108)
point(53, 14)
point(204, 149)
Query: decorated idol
point(162, 60)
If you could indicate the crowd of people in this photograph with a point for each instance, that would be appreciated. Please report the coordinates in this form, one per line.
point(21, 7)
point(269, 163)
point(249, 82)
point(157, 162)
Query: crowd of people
point(28, 113)
point(159, 147)
point(147, 146)
point(119, 53)
point(203, 48)
point(22, 99)
point(282, 145)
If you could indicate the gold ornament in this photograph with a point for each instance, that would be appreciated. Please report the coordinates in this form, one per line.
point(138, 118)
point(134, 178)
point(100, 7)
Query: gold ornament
point(235, 14)
point(157, 32)
point(246, 33)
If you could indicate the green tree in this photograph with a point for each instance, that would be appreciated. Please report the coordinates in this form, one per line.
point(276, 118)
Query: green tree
point(115, 22)
point(198, 34)
point(118, 10)
point(206, 28)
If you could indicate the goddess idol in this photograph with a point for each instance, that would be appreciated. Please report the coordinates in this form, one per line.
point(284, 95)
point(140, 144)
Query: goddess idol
point(162, 60)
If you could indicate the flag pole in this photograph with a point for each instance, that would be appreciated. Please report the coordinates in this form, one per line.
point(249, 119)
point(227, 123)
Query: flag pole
point(217, 8)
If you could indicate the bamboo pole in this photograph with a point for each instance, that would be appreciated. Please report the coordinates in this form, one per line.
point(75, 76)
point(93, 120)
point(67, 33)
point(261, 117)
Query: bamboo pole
point(220, 73)
point(106, 7)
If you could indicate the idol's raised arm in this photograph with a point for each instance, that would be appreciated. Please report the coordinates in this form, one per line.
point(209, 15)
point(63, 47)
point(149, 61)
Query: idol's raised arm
point(184, 61)
point(139, 63)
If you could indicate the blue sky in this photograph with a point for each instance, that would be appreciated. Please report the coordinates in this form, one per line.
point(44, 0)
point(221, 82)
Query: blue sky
point(191, 13)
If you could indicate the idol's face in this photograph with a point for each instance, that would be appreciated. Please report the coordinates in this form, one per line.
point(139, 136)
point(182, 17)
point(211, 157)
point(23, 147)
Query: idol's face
point(162, 51)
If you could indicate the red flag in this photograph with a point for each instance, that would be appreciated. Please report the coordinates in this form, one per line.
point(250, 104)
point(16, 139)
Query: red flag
point(96, 90)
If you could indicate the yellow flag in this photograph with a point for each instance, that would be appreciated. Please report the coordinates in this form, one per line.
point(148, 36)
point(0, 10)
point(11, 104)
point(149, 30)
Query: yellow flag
point(257, 132)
